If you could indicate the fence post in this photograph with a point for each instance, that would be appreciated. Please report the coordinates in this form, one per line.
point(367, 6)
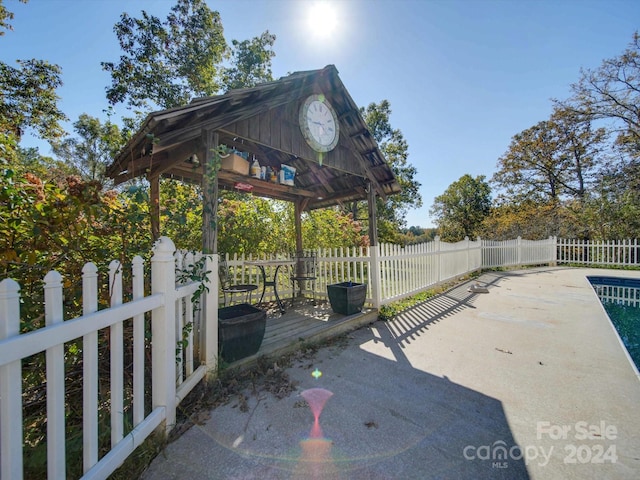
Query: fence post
point(210, 315)
point(163, 337)
point(466, 245)
point(137, 271)
point(554, 252)
point(116, 356)
point(436, 240)
point(376, 294)
point(519, 251)
point(56, 465)
point(90, 370)
point(10, 385)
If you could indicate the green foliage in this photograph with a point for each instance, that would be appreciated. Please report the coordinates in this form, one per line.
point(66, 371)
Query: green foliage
point(612, 92)
point(563, 176)
point(5, 17)
point(251, 62)
point(44, 226)
point(416, 234)
point(550, 160)
point(181, 213)
point(28, 99)
point(94, 148)
point(392, 212)
point(249, 224)
point(389, 311)
point(613, 208)
point(460, 210)
point(528, 219)
point(166, 63)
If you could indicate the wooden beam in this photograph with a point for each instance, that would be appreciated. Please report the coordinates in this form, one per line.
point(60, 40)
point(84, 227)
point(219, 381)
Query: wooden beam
point(177, 154)
point(298, 224)
point(269, 189)
point(373, 218)
point(314, 168)
point(209, 192)
point(154, 199)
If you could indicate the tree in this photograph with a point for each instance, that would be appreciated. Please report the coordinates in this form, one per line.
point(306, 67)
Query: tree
point(551, 160)
point(5, 17)
point(252, 62)
point(392, 212)
point(169, 62)
point(28, 98)
point(94, 148)
point(613, 92)
point(460, 210)
point(613, 208)
point(527, 219)
point(580, 147)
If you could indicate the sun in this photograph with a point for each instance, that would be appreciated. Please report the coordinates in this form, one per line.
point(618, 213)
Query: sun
point(322, 19)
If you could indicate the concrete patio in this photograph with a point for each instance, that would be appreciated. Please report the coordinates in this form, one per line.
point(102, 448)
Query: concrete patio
point(526, 381)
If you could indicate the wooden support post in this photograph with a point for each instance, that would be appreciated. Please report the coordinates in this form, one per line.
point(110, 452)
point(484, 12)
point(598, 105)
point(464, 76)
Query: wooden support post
point(374, 252)
point(209, 192)
point(298, 224)
point(154, 183)
point(373, 218)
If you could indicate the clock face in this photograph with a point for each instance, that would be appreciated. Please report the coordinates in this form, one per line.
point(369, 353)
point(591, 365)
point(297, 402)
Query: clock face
point(319, 123)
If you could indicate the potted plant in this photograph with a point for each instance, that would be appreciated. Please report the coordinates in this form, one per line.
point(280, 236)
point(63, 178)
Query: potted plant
point(347, 298)
point(240, 331)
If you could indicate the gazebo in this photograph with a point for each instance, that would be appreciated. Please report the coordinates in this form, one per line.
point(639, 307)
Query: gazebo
point(306, 120)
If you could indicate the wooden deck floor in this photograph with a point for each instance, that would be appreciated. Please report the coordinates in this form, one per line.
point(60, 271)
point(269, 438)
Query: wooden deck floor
point(304, 323)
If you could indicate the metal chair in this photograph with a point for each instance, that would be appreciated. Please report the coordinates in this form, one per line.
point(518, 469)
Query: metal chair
point(304, 270)
point(228, 287)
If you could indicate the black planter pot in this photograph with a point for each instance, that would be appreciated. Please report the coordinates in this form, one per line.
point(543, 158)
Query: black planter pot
point(240, 331)
point(347, 298)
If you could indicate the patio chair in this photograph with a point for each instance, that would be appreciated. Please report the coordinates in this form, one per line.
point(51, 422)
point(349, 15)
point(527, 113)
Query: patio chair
point(228, 287)
point(304, 270)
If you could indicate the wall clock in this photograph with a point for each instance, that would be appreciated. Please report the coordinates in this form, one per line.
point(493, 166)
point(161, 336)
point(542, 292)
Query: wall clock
point(319, 123)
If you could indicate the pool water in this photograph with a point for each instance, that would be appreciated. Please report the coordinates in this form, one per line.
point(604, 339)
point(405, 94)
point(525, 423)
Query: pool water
point(621, 300)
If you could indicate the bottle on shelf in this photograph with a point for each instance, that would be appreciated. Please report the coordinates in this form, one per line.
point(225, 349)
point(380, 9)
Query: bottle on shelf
point(255, 168)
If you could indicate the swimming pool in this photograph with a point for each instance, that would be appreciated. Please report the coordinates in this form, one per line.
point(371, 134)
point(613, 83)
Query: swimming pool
point(621, 300)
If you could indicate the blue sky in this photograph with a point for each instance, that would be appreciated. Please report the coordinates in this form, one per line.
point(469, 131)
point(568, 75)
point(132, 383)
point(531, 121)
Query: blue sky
point(462, 76)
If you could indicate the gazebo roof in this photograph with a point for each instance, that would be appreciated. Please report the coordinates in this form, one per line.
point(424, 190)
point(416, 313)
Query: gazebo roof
point(263, 121)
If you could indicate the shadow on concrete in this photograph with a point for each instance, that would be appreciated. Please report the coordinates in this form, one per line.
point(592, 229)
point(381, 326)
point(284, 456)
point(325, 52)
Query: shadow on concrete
point(385, 419)
point(413, 322)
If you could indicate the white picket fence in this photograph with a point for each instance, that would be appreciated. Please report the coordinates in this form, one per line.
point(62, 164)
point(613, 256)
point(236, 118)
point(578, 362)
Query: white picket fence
point(175, 371)
point(403, 271)
point(391, 272)
point(619, 253)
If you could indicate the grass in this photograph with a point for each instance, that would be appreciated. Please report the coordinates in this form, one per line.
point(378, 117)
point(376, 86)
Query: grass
point(389, 311)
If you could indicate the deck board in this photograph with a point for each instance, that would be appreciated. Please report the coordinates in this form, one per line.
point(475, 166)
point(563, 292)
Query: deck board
point(304, 323)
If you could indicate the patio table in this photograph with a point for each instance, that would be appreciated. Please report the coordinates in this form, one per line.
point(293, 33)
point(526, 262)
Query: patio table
point(261, 264)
